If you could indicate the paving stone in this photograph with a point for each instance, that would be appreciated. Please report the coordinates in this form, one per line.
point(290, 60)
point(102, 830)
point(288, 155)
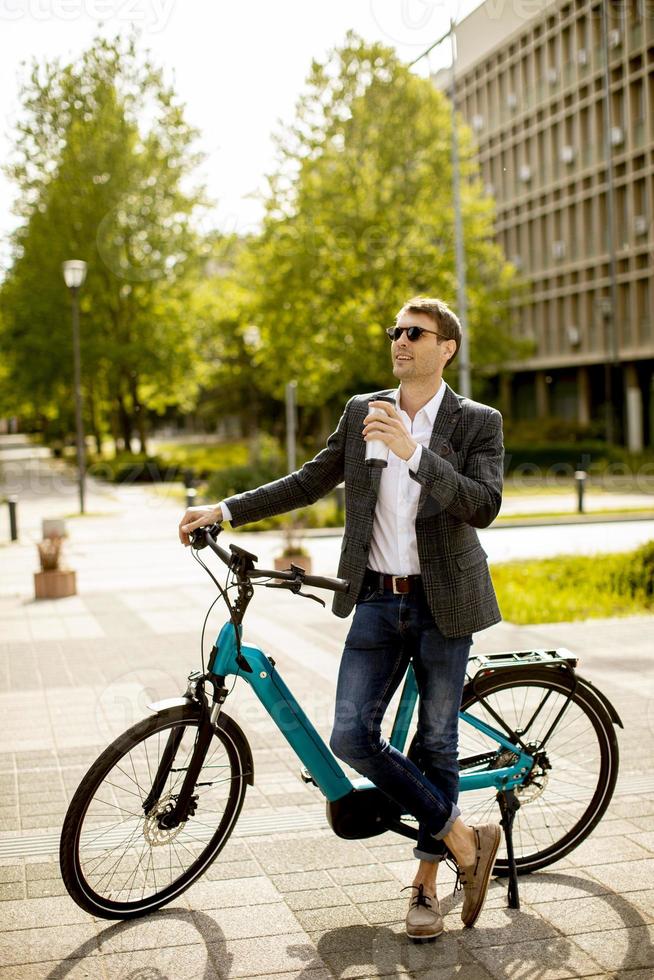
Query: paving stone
point(12, 872)
point(87, 969)
point(361, 874)
point(644, 839)
point(590, 914)
point(386, 911)
point(631, 975)
point(607, 850)
point(395, 852)
point(28, 946)
point(616, 949)
point(644, 823)
point(220, 870)
point(374, 891)
point(546, 959)
point(293, 953)
point(627, 876)
point(497, 927)
point(320, 898)
point(55, 911)
point(352, 937)
point(317, 920)
point(46, 887)
point(178, 962)
point(172, 926)
point(35, 871)
point(301, 881)
point(238, 892)
point(553, 886)
point(12, 890)
point(249, 923)
point(391, 954)
point(309, 854)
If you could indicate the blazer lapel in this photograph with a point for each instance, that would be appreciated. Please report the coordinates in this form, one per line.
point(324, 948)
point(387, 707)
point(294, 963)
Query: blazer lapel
point(444, 425)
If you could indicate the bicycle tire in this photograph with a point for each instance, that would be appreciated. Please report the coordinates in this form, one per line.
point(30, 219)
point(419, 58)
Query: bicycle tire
point(605, 761)
point(88, 893)
point(593, 783)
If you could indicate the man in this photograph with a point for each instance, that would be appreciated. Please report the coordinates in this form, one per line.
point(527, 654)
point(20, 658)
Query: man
point(420, 582)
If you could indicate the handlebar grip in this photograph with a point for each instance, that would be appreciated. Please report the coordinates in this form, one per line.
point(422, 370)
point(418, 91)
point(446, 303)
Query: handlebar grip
point(322, 582)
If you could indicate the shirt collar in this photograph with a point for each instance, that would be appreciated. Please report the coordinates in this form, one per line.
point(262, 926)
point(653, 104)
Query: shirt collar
point(432, 406)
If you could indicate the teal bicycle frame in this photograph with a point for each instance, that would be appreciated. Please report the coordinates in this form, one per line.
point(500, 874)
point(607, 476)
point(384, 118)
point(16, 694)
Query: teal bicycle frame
point(320, 762)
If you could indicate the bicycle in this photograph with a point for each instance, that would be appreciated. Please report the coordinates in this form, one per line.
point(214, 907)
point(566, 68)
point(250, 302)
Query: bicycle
point(159, 804)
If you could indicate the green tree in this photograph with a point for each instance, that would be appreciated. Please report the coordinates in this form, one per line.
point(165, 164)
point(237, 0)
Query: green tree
point(360, 217)
point(102, 162)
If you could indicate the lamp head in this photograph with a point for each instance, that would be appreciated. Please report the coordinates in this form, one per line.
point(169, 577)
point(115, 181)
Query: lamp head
point(74, 273)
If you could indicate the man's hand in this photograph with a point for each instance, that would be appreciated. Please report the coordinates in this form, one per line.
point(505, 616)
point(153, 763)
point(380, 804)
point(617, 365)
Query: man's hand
point(198, 517)
point(391, 430)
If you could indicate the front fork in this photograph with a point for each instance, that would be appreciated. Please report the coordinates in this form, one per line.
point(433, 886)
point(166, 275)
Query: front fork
point(186, 801)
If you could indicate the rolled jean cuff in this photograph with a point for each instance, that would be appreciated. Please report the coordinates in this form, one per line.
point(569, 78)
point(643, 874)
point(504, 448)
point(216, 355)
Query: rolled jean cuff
point(427, 856)
point(444, 831)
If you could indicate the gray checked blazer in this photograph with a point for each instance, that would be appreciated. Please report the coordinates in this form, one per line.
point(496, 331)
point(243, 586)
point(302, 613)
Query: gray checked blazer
point(461, 475)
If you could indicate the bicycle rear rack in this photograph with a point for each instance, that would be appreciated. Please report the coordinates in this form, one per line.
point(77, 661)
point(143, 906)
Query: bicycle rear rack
point(485, 663)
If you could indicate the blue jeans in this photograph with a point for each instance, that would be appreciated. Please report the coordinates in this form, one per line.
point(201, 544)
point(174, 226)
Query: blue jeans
point(388, 631)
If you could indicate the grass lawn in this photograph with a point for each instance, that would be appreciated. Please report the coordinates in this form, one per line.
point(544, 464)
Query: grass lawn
point(590, 514)
point(561, 589)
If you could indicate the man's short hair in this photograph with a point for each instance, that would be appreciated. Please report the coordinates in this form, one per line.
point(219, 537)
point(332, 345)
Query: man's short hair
point(447, 322)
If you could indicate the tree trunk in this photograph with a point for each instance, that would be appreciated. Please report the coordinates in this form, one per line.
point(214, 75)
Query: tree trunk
point(139, 412)
point(125, 423)
point(115, 428)
point(93, 419)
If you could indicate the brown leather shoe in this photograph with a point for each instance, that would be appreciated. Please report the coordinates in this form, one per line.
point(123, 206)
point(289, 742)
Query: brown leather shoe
point(424, 920)
point(475, 877)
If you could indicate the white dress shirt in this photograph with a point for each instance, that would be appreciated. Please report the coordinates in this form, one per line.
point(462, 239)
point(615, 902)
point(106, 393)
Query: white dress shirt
point(393, 547)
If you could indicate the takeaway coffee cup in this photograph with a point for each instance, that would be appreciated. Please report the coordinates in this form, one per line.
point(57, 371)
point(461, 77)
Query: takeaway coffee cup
point(376, 450)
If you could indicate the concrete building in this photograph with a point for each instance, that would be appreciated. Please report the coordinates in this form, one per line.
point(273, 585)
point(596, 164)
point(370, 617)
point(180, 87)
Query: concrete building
point(531, 78)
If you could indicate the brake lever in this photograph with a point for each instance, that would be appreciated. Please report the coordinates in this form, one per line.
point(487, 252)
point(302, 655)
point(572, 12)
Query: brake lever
point(294, 587)
point(309, 595)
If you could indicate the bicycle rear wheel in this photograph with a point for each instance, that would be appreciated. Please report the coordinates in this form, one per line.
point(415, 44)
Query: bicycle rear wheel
point(117, 861)
point(575, 770)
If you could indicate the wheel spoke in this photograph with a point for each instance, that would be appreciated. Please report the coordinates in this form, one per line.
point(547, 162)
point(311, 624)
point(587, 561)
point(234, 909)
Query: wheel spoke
point(126, 856)
point(561, 799)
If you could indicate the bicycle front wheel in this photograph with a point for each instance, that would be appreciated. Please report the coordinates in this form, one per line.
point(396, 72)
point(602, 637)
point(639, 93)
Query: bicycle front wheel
point(575, 768)
point(118, 861)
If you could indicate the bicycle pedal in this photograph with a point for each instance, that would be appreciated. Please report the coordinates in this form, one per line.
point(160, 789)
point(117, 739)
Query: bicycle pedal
point(306, 776)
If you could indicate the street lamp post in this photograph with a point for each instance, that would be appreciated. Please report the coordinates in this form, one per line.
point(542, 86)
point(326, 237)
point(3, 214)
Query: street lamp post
point(74, 275)
point(460, 256)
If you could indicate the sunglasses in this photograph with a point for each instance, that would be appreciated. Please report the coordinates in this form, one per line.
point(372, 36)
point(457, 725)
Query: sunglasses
point(413, 333)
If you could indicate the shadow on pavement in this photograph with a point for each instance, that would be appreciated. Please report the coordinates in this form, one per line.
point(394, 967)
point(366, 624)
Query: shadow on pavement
point(208, 929)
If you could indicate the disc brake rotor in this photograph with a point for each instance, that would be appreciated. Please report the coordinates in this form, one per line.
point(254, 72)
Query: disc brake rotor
point(155, 835)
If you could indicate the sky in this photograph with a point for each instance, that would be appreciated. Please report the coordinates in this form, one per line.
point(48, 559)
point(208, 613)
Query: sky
point(239, 67)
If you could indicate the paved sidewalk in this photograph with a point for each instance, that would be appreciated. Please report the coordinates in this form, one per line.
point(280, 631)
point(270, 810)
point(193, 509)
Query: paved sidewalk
point(286, 898)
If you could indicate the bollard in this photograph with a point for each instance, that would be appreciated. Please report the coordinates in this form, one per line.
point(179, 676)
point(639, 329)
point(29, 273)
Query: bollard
point(191, 494)
point(580, 477)
point(12, 503)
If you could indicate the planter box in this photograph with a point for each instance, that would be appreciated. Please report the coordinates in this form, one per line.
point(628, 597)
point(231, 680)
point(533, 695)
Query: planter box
point(284, 564)
point(54, 585)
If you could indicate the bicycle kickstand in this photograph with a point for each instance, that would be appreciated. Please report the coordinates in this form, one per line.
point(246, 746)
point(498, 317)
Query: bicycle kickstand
point(509, 806)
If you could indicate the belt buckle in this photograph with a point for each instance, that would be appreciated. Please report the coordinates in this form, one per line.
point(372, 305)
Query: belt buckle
point(398, 578)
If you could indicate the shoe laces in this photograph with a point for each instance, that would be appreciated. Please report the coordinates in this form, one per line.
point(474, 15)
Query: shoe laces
point(420, 898)
point(460, 881)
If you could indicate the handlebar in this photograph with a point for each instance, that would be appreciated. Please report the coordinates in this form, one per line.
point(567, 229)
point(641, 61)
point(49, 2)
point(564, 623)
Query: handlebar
point(242, 562)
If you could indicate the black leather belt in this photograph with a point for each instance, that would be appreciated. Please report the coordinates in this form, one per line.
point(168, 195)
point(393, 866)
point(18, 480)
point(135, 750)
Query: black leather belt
point(397, 584)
